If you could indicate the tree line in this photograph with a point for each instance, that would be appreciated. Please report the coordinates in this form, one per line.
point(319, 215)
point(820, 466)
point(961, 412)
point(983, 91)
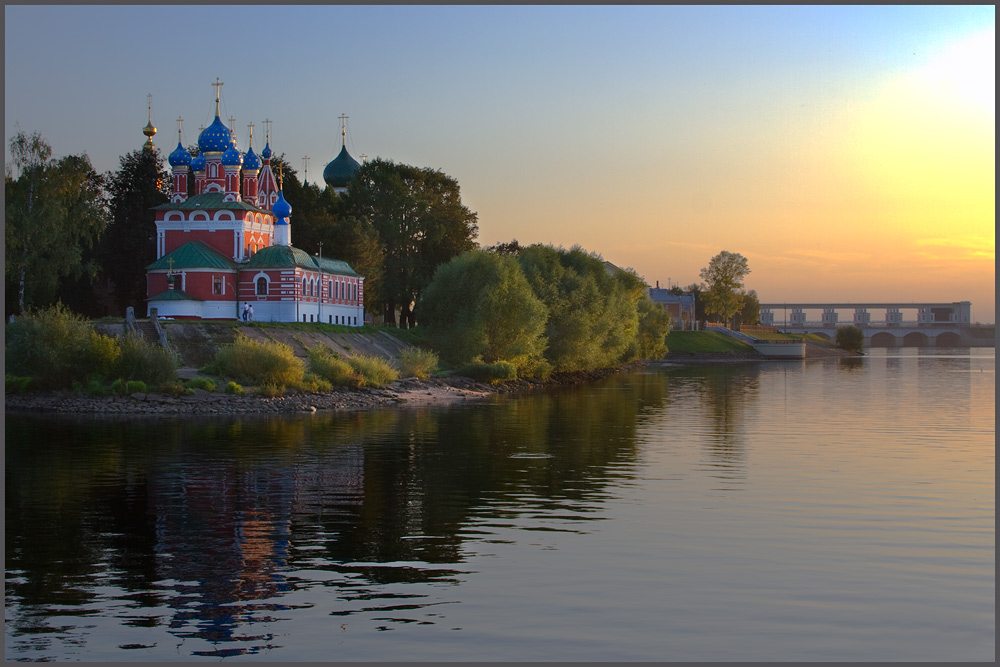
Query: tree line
point(84, 239)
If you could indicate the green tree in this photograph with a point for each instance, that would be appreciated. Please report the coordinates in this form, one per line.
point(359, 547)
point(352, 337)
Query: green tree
point(724, 275)
point(749, 313)
point(850, 338)
point(654, 326)
point(593, 319)
point(479, 307)
point(54, 211)
point(129, 245)
point(420, 222)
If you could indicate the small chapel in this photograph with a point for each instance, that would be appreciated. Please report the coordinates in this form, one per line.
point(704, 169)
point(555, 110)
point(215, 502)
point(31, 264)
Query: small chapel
point(229, 245)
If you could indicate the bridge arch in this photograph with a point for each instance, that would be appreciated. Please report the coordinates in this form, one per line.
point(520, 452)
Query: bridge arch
point(948, 339)
point(916, 339)
point(883, 339)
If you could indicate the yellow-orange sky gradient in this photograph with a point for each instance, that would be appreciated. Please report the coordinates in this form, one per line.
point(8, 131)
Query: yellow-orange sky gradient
point(847, 151)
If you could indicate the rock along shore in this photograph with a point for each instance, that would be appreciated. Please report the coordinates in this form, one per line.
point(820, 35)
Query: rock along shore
point(405, 393)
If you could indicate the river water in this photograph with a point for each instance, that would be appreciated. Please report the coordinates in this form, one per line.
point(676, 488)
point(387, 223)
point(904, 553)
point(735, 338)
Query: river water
point(839, 509)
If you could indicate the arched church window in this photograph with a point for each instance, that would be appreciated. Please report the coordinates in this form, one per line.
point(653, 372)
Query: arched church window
point(262, 286)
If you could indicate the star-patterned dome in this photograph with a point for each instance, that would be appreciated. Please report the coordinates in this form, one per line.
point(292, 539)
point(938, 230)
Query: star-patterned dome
point(250, 161)
point(266, 153)
point(198, 163)
point(180, 157)
point(232, 157)
point(215, 138)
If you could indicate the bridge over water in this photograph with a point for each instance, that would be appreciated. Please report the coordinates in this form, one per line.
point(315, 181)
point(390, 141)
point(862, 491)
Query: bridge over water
point(885, 324)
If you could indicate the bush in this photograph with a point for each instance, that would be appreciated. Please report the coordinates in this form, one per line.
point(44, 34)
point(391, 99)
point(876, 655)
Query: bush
point(259, 363)
point(418, 362)
point(16, 384)
point(313, 383)
point(97, 388)
point(233, 388)
point(201, 383)
point(850, 338)
point(55, 347)
point(326, 365)
point(118, 387)
point(495, 373)
point(142, 360)
point(135, 387)
point(171, 388)
point(271, 390)
point(374, 370)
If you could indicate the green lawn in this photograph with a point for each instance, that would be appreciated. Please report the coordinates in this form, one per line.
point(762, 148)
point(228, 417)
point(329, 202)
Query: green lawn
point(704, 341)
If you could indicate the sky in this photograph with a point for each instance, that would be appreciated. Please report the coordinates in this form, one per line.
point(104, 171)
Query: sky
point(847, 152)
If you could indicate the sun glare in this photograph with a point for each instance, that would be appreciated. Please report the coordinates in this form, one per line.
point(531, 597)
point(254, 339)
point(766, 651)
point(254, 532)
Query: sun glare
point(966, 71)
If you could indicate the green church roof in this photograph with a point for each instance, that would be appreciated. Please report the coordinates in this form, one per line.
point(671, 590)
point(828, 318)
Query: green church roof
point(208, 200)
point(173, 295)
point(286, 257)
point(193, 255)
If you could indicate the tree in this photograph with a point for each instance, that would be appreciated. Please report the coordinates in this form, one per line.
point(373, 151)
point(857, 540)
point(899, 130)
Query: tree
point(420, 222)
point(697, 290)
point(593, 319)
point(129, 245)
point(479, 307)
point(850, 338)
point(749, 313)
point(724, 275)
point(54, 211)
point(654, 325)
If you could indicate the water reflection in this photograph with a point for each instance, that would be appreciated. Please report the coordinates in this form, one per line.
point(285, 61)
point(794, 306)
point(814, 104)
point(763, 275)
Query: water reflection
point(240, 536)
point(207, 526)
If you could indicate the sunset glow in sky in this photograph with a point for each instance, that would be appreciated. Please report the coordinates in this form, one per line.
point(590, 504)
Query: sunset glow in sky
point(847, 152)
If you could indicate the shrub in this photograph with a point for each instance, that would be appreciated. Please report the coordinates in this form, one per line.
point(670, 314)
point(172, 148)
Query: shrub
point(97, 389)
point(495, 373)
point(375, 371)
point(201, 383)
point(118, 387)
point(16, 384)
point(142, 360)
point(270, 390)
point(418, 362)
point(259, 363)
point(326, 365)
point(56, 347)
point(171, 388)
point(135, 387)
point(850, 338)
point(313, 383)
point(233, 388)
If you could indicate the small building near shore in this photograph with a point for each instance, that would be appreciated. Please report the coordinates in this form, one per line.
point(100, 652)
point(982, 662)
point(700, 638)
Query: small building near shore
point(680, 306)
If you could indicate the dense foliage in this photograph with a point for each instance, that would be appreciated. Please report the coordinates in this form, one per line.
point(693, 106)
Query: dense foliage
point(419, 221)
point(850, 338)
point(592, 317)
point(56, 348)
point(54, 212)
point(129, 244)
point(540, 309)
point(480, 307)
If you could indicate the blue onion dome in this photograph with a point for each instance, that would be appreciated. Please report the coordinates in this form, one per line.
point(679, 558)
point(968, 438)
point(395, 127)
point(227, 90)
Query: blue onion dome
point(232, 157)
point(281, 209)
point(198, 163)
point(266, 153)
point(250, 161)
point(215, 138)
point(180, 157)
point(340, 170)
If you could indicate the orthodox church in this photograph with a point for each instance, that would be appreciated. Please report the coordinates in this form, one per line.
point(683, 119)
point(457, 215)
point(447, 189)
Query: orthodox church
point(229, 245)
